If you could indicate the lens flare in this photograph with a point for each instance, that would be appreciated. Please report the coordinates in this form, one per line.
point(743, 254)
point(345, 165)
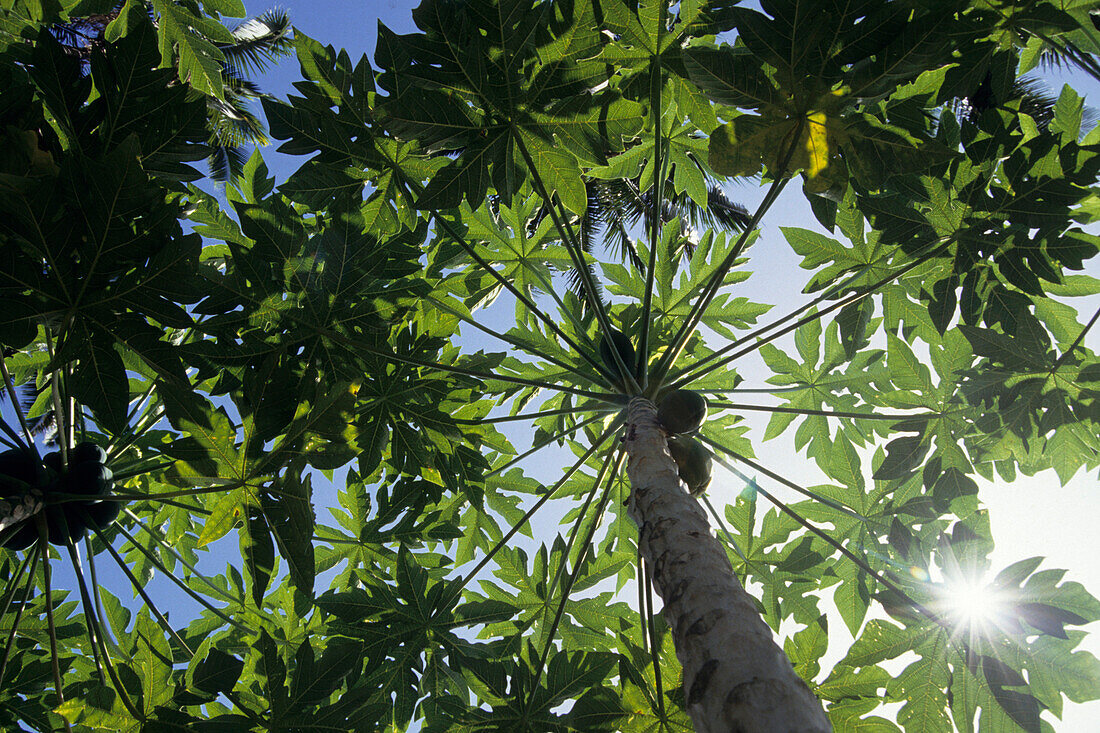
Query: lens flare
point(974, 604)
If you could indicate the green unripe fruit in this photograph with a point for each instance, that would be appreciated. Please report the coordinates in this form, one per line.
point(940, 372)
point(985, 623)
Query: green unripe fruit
point(102, 513)
point(23, 538)
point(52, 460)
point(622, 345)
point(94, 479)
point(18, 472)
point(693, 461)
point(682, 411)
point(73, 526)
point(87, 452)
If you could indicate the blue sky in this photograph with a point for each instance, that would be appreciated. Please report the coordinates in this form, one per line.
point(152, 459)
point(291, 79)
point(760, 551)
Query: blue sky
point(1033, 516)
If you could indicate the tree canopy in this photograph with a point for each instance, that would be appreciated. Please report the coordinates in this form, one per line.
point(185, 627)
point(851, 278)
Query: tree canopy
point(342, 415)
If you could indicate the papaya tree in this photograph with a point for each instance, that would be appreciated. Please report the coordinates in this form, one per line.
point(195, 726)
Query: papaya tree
point(396, 371)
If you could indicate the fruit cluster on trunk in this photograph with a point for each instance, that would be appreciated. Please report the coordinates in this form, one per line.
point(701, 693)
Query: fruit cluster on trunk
point(87, 474)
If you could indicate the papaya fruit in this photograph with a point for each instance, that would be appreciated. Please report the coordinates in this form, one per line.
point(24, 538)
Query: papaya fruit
point(620, 342)
point(93, 479)
point(682, 411)
point(23, 538)
point(693, 461)
point(65, 521)
point(18, 472)
point(88, 452)
point(102, 513)
point(52, 460)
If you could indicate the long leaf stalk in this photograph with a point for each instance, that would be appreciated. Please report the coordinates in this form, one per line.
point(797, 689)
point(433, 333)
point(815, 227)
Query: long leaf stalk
point(720, 523)
point(660, 173)
point(60, 419)
point(64, 422)
point(756, 390)
point(714, 285)
point(826, 413)
point(131, 434)
point(827, 294)
point(697, 370)
point(129, 494)
point(359, 348)
point(533, 415)
point(576, 254)
point(409, 186)
point(88, 550)
point(654, 642)
point(95, 631)
point(74, 415)
point(510, 340)
point(454, 589)
point(9, 387)
point(550, 290)
point(545, 442)
point(216, 485)
point(577, 566)
point(1076, 342)
point(11, 587)
point(579, 522)
point(181, 560)
point(139, 404)
point(710, 290)
point(776, 477)
point(55, 664)
point(516, 293)
point(552, 586)
point(149, 466)
point(139, 587)
point(183, 586)
point(94, 628)
point(32, 558)
point(14, 440)
point(642, 610)
point(861, 563)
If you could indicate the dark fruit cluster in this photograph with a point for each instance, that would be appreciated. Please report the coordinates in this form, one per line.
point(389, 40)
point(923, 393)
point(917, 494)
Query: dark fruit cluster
point(618, 342)
point(87, 475)
point(682, 412)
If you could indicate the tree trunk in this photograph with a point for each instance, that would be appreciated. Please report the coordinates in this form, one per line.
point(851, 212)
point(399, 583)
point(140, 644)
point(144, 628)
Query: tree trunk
point(736, 679)
point(16, 509)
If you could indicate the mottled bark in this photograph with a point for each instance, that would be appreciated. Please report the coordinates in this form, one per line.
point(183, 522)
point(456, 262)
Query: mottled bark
point(736, 678)
point(16, 509)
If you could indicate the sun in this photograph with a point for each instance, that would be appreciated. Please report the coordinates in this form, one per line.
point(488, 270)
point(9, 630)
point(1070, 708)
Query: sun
point(973, 604)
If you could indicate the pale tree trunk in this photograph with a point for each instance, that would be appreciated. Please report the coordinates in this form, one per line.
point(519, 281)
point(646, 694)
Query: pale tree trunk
point(16, 509)
point(736, 678)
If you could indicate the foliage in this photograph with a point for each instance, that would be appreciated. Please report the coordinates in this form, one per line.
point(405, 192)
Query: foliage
point(372, 325)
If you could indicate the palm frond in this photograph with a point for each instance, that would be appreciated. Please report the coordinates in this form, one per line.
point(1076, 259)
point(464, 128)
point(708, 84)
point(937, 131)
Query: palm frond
point(258, 42)
point(721, 211)
point(235, 124)
point(226, 161)
point(1033, 96)
point(575, 283)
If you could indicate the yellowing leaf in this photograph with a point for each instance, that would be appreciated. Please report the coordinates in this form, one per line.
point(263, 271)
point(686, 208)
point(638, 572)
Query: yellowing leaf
point(226, 512)
point(815, 143)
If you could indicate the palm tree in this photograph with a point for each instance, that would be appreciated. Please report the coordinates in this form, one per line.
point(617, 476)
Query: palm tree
point(255, 44)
